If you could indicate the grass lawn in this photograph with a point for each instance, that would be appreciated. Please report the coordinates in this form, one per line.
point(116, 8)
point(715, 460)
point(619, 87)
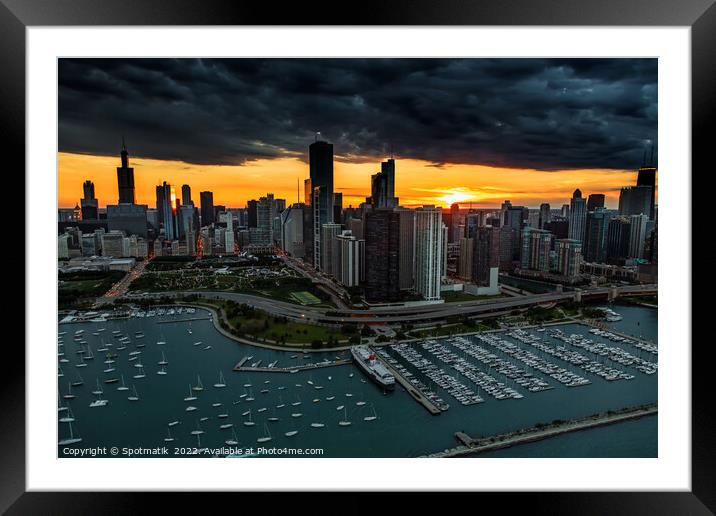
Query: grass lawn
point(305, 298)
point(259, 325)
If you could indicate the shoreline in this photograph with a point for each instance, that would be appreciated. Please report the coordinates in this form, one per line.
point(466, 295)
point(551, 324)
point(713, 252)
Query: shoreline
point(472, 447)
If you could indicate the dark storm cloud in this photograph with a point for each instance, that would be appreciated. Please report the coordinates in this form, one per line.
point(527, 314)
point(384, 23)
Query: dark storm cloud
point(545, 114)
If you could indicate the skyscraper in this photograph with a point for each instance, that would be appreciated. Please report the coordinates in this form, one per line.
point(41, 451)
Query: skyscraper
point(618, 234)
point(125, 178)
point(569, 257)
point(577, 216)
point(485, 255)
point(545, 215)
point(186, 195)
point(536, 246)
point(634, 200)
point(647, 177)
point(594, 201)
point(320, 161)
point(428, 251)
point(89, 204)
point(382, 251)
point(207, 208)
point(637, 235)
point(454, 235)
point(292, 241)
point(330, 261)
point(596, 236)
point(387, 167)
point(351, 258)
point(165, 209)
point(407, 247)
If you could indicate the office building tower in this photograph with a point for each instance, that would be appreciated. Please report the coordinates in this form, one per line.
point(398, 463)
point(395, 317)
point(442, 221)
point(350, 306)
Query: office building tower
point(129, 218)
point(351, 259)
point(206, 200)
point(647, 177)
point(89, 204)
point(637, 235)
point(577, 216)
point(595, 249)
point(472, 222)
point(387, 168)
point(536, 247)
point(125, 178)
point(166, 207)
point(454, 235)
point(429, 250)
point(618, 237)
point(569, 257)
point(594, 201)
point(186, 195)
point(337, 207)
point(407, 248)
point(252, 212)
point(545, 215)
point(382, 251)
point(464, 264)
point(559, 227)
point(292, 230)
point(634, 200)
point(113, 244)
point(486, 255)
point(330, 263)
point(227, 218)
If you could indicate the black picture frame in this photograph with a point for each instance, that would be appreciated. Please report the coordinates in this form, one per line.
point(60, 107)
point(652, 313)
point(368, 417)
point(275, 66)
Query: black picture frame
point(700, 15)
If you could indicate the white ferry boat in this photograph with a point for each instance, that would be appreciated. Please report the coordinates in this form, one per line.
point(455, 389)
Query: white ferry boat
point(374, 368)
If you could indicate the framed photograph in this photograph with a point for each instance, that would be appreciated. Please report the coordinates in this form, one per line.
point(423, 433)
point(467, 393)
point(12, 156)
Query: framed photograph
point(416, 253)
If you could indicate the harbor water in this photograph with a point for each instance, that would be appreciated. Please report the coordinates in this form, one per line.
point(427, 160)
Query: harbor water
point(401, 428)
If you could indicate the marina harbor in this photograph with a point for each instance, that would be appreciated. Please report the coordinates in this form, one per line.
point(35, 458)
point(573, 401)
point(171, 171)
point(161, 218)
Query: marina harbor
point(167, 376)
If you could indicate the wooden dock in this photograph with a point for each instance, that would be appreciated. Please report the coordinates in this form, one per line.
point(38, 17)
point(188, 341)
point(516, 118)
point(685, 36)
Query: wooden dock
point(305, 367)
point(204, 318)
point(414, 393)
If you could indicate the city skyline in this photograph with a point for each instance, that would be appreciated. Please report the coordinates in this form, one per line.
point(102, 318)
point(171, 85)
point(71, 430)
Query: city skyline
point(461, 130)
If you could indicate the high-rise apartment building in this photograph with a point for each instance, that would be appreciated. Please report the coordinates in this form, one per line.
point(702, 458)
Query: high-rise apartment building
point(429, 250)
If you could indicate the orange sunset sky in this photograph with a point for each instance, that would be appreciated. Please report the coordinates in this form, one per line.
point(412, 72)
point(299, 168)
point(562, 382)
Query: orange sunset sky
point(417, 182)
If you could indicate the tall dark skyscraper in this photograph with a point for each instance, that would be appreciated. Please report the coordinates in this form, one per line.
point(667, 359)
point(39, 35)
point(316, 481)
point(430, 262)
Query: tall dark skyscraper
point(252, 208)
point(595, 241)
point(90, 208)
point(125, 178)
point(594, 201)
point(382, 252)
point(486, 253)
point(186, 195)
point(647, 177)
point(207, 207)
point(320, 157)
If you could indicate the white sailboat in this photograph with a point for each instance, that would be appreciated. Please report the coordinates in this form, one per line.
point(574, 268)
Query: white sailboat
point(221, 383)
point(191, 396)
point(317, 425)
point(69, 417)
point(122, 387)
point(291, 433)
point(344, 421)
point(233, 441)
point(169, 437)
point(373, 417)
point(250, 422)
point(71, 439)
point(198, 386)
point(69, 395)
point(198, 430)
point(134, 396)
point(141, 373)
point(266, 437)
point(162, 371)
point(163, 361)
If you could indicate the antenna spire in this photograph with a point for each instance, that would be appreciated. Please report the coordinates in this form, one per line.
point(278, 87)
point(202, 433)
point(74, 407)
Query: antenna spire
point(651, 159)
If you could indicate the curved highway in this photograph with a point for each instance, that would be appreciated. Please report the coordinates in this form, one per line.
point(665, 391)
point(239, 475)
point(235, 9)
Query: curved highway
point(400, 314)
